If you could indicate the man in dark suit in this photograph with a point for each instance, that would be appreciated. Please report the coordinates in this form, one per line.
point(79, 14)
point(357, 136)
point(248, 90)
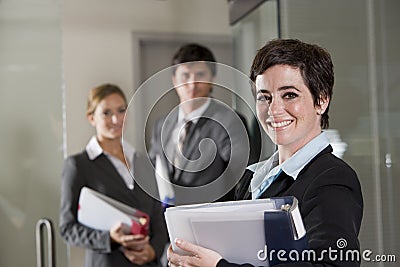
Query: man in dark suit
point(196, 140)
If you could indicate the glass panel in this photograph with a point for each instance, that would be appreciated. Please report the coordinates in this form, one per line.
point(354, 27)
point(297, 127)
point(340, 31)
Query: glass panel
point(362, 42)
point(362, 37)
point(31, 151)
point(387, 42)
point(249, 34)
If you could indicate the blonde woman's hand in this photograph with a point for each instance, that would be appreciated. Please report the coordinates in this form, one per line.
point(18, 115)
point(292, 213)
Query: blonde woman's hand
point(132, 242)
point(140, 257)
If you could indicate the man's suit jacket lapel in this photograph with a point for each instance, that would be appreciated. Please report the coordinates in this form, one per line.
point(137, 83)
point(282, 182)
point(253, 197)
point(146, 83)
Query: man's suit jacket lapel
point(195, 133)
point(194, 136)
point(167, 145)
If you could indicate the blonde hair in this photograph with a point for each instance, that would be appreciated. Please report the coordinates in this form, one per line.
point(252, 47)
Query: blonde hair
point(97, 94)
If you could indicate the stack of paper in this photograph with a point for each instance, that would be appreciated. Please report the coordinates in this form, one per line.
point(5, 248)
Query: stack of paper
point(235, 229)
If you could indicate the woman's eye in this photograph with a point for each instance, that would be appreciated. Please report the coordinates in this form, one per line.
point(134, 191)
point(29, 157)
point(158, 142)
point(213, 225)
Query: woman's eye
point(290, 95)
point(107, 113)
point(122, 110)
point(263, 98)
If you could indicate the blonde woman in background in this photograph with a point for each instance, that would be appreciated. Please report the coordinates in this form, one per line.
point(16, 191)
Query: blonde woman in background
point(103, 167)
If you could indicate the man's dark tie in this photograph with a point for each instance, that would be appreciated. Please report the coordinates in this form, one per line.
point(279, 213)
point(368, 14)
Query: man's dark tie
point(183, 132)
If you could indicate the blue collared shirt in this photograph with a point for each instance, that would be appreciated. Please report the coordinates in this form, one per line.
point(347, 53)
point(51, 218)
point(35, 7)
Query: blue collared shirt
point(267, 171)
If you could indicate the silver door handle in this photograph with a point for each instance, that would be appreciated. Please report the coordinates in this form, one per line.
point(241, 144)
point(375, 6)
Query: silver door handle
point(40, 244)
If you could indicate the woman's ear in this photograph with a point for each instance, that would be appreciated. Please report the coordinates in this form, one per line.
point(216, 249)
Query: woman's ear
point(91, 119)
point(323, 103)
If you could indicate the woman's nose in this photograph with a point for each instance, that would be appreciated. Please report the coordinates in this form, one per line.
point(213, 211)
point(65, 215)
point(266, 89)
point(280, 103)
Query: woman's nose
point(275, 107)
point(114, 118)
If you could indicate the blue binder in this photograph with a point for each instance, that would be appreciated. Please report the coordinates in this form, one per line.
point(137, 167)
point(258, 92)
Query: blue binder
point(280, 232)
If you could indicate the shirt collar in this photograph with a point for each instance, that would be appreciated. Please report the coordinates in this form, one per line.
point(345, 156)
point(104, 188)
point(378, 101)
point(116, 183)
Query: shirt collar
point(195, 115)
point(269, 168)
point(94, 149)
point(262, 171)
point(301, 158)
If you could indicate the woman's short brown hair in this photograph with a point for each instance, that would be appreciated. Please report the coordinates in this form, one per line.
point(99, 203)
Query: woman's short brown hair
point(315, 65)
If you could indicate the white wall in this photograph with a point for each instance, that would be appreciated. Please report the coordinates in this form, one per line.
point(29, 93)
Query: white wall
point(97, 44)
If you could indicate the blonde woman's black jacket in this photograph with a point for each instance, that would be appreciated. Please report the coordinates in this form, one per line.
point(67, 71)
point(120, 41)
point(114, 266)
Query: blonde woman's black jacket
point(100, 175)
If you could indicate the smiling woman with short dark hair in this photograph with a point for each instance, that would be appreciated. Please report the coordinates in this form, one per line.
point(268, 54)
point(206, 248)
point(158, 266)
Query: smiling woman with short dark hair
point(293, 83)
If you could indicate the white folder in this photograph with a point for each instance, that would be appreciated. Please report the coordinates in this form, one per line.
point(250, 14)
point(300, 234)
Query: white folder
point(101, 212)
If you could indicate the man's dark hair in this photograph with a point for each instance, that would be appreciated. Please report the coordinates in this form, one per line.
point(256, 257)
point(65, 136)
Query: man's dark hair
point(194, 52)
point(315, 65)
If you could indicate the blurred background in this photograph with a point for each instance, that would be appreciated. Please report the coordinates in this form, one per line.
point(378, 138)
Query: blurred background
point(53, 52)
